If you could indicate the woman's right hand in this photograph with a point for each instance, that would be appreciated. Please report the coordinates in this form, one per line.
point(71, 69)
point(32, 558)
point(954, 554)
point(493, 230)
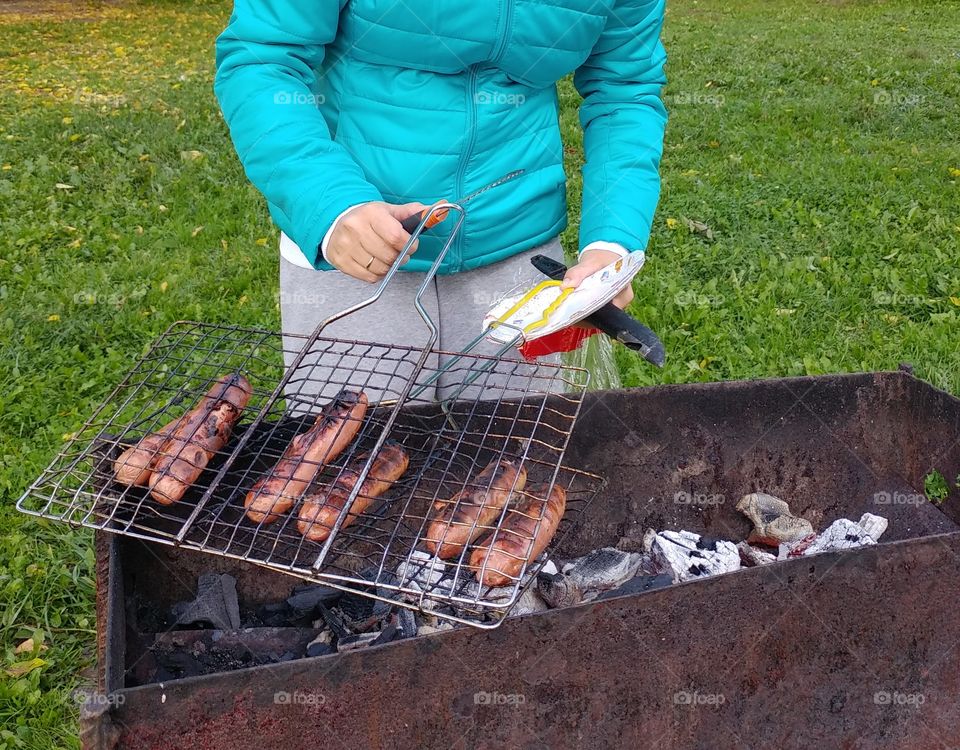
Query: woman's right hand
point(367, 239)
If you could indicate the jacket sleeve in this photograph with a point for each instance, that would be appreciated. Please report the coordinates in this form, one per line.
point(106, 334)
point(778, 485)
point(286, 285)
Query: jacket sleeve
point(623, 121)
point(266, 79)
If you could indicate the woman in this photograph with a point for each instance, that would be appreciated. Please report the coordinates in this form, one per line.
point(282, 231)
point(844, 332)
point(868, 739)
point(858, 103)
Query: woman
point(351, 116)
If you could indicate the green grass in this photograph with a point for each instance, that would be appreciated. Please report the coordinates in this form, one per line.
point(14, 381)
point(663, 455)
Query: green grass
point(818, 142)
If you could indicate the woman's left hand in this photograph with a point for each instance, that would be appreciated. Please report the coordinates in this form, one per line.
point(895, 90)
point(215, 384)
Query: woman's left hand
point(592, 261)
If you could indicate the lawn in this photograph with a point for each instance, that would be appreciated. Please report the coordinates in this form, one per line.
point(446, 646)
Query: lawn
point(810, 223)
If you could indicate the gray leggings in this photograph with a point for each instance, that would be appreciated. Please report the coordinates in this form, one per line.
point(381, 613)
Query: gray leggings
point(456, 303)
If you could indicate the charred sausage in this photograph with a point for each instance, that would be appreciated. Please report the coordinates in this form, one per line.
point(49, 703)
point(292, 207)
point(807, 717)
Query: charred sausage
point(197, 437)
point(335, 426)
point(499, 558)
point(319, 511)
point(468, 514)
point(135, 464)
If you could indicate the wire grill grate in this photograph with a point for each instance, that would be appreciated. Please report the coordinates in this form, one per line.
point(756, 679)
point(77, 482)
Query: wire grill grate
point(526, 414)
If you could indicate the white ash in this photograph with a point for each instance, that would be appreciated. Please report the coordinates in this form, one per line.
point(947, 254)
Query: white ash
point(550, 568)
point(875, 526)
point(421, 571)
point(438, 628)
point(687, 555)
point(529, 603)
point(841, 534)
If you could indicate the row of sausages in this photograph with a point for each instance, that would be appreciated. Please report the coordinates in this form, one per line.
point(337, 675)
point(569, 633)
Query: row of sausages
point(469, 517)
point(172, 459)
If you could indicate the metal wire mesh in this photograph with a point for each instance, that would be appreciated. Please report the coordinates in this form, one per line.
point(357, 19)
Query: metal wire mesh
point(511, 411)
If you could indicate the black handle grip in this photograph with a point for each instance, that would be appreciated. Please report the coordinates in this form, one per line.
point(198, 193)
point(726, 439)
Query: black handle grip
point(411, 223)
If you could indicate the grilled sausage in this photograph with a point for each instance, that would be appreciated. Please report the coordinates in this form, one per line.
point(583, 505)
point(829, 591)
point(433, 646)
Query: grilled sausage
point(499, 558)
point(319, 511)
point(335, 426)
point(134, 465)
point(199, 434)
point(468, 514)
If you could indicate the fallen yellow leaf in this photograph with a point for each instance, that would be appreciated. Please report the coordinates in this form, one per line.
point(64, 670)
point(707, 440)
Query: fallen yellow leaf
point(53, 318)
point(714, 144)
point(955, 300)
point(954, 172)
point(24, 667)
point(262, 241)
point(192, 155)
point(196, 231)
point(163, 286)
point(672, 223)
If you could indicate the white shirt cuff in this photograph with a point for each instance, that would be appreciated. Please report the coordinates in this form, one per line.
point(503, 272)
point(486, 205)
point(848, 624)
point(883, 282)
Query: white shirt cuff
point(326, 237)
point(613, 247)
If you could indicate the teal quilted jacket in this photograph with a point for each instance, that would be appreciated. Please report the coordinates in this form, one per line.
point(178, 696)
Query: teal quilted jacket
point(333, 103)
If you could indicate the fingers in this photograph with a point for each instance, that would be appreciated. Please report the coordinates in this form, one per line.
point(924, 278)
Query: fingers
point(367, 241)
point(624, 298)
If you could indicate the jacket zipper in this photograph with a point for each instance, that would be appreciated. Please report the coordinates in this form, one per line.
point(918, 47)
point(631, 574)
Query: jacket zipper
point(472, 73)
point(505, 31)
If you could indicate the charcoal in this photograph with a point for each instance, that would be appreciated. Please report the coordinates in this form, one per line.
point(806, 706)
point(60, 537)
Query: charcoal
point(583, 579)
point(363, 613)
point(708, 543)
point(216, 604)
point(334, 621)
point(321, 645)
point(306, 598)
point(389, 633)
point(407, 621)
point(639, 584)
point(273, 615)
point(750, 556)
point(319, 649)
